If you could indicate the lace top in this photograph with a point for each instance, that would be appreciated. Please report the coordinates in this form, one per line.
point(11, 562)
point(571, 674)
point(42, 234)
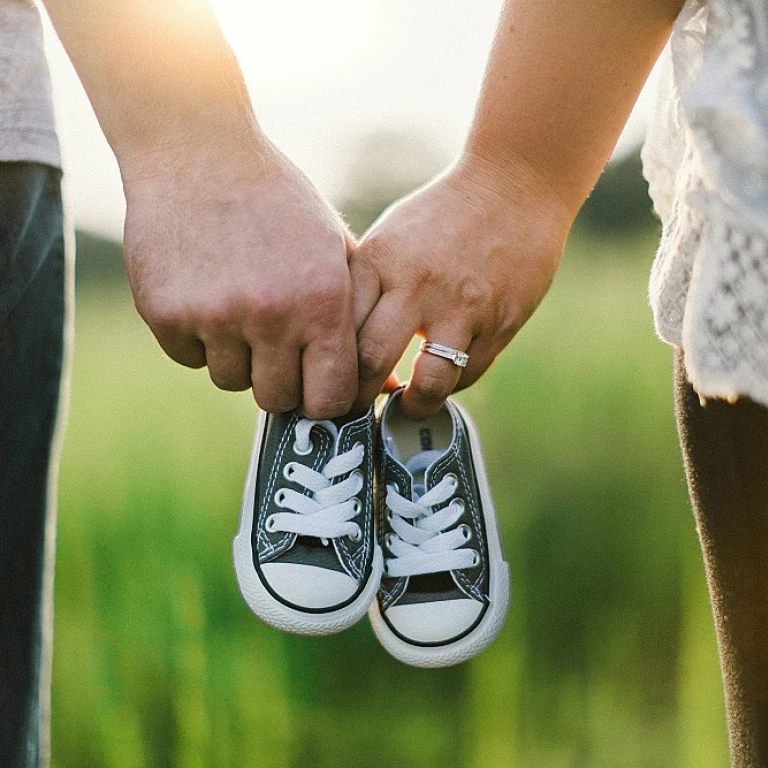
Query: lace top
point(706, 160)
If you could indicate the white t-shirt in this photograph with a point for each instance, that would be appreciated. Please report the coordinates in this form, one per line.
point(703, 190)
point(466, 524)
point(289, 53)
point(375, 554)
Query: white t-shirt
point(706, 160)
point(27, 131)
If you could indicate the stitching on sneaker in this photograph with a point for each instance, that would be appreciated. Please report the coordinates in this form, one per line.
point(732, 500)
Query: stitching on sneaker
point(265, 546)
point(473, 588)
point(354, 563)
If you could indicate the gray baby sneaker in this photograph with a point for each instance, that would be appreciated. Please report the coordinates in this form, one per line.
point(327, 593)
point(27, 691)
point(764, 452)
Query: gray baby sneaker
point(305, 553)
point(444, 593)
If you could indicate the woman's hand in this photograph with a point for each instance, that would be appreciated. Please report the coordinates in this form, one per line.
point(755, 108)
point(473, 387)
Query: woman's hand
point(463, 262)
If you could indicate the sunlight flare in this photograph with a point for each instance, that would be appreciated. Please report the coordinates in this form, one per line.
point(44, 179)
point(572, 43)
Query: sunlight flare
point(284, 41)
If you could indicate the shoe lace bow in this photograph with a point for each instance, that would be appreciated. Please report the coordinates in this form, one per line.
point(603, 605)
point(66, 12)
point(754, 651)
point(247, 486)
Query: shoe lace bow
point(328, 511)
point(423, 540)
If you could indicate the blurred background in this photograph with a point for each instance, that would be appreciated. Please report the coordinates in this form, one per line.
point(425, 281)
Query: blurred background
point(608, 656)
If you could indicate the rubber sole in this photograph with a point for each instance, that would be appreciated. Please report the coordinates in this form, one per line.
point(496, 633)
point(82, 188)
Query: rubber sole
point(499, 593)
point(256, 595)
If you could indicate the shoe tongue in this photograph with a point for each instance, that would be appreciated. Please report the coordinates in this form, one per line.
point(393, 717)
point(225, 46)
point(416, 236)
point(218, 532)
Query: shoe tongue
point(417, 467)
point(334, 427)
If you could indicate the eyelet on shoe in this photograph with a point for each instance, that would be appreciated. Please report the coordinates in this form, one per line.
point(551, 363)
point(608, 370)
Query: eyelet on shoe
point(475, 558)
point(459, 505)
point(466, 531)
point(280, 498)
point(454, 480)
point(356, 505)
point(288, 471)
point(269, 524)
point(388, 541)
point(297, 450)
point(356, 536)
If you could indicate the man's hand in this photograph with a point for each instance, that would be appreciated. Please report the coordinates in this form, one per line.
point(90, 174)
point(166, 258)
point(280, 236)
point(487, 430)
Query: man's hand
point(236, 263)
point(234, 259)
point(463, 262)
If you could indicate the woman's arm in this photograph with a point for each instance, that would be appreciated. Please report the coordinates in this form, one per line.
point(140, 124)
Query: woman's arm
point(561, 81)
point(466, 260)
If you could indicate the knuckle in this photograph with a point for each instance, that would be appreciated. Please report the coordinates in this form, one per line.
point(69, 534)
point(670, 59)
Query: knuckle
point(216, 316)
point(506, 320)
point(322, 300)
point(266, 307)
point(161, 310)
point(426, 273)
point(188, 355)
point(374, 249)
point(263, 304)
point(261, 308)
point(362, 268)
point(421, 278)
point(276, 404)
point(471, 296)
point(326, 296)
point(167, 312)
point(372, 359)
point(279, 399)
point(327, 407)
point(228, 381)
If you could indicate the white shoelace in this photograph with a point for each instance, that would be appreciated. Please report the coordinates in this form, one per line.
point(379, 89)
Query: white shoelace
point(328, 512)
point(423, 541)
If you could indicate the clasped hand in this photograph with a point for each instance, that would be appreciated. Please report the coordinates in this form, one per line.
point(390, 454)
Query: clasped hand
point(237, 264)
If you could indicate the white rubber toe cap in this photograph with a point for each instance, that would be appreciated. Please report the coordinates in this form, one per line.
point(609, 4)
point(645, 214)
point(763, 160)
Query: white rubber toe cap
point(435, 622)
point(307, 586)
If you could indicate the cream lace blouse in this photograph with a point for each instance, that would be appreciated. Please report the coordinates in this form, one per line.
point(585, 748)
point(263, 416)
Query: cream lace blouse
point(706, 160)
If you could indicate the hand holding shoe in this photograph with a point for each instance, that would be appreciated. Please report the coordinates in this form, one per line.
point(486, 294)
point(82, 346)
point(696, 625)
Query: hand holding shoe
point(237, 263)
point(463, 263)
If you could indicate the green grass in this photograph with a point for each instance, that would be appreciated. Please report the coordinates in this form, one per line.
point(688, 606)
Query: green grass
point(607, 659)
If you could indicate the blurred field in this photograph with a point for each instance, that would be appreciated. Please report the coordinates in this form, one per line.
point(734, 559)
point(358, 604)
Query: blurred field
point(607, 659)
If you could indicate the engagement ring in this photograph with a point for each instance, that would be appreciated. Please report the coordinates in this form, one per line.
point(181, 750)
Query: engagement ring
point(457, 357)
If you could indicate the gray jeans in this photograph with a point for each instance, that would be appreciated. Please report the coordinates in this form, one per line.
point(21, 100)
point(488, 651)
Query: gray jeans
point(34, 311)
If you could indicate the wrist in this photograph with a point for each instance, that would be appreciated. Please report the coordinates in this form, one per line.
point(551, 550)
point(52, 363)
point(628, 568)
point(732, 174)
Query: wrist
point(516, 185)
point(155, 128)
point(216, 137)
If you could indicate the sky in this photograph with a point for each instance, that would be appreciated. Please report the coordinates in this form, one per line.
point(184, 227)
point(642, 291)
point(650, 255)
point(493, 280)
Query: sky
point(322, 76)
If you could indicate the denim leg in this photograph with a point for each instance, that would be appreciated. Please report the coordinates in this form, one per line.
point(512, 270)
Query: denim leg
point(34, 295)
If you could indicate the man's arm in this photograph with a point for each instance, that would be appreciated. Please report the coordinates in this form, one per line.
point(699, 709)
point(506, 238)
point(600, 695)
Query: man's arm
point(465, 261)
point(234, 260)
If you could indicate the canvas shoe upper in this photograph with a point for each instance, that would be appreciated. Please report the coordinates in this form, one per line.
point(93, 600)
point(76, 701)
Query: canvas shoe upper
point(305, 554)
point(445, 589)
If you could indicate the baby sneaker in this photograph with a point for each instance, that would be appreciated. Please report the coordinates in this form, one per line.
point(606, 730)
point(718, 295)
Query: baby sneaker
point(444, 593)
point(305, 553)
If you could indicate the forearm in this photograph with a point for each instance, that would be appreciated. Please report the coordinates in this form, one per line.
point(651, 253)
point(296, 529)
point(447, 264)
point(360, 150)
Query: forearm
point(561, 81)
point(158, 73)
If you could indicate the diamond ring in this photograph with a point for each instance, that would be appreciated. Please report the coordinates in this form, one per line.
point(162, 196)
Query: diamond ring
point(456, 356)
